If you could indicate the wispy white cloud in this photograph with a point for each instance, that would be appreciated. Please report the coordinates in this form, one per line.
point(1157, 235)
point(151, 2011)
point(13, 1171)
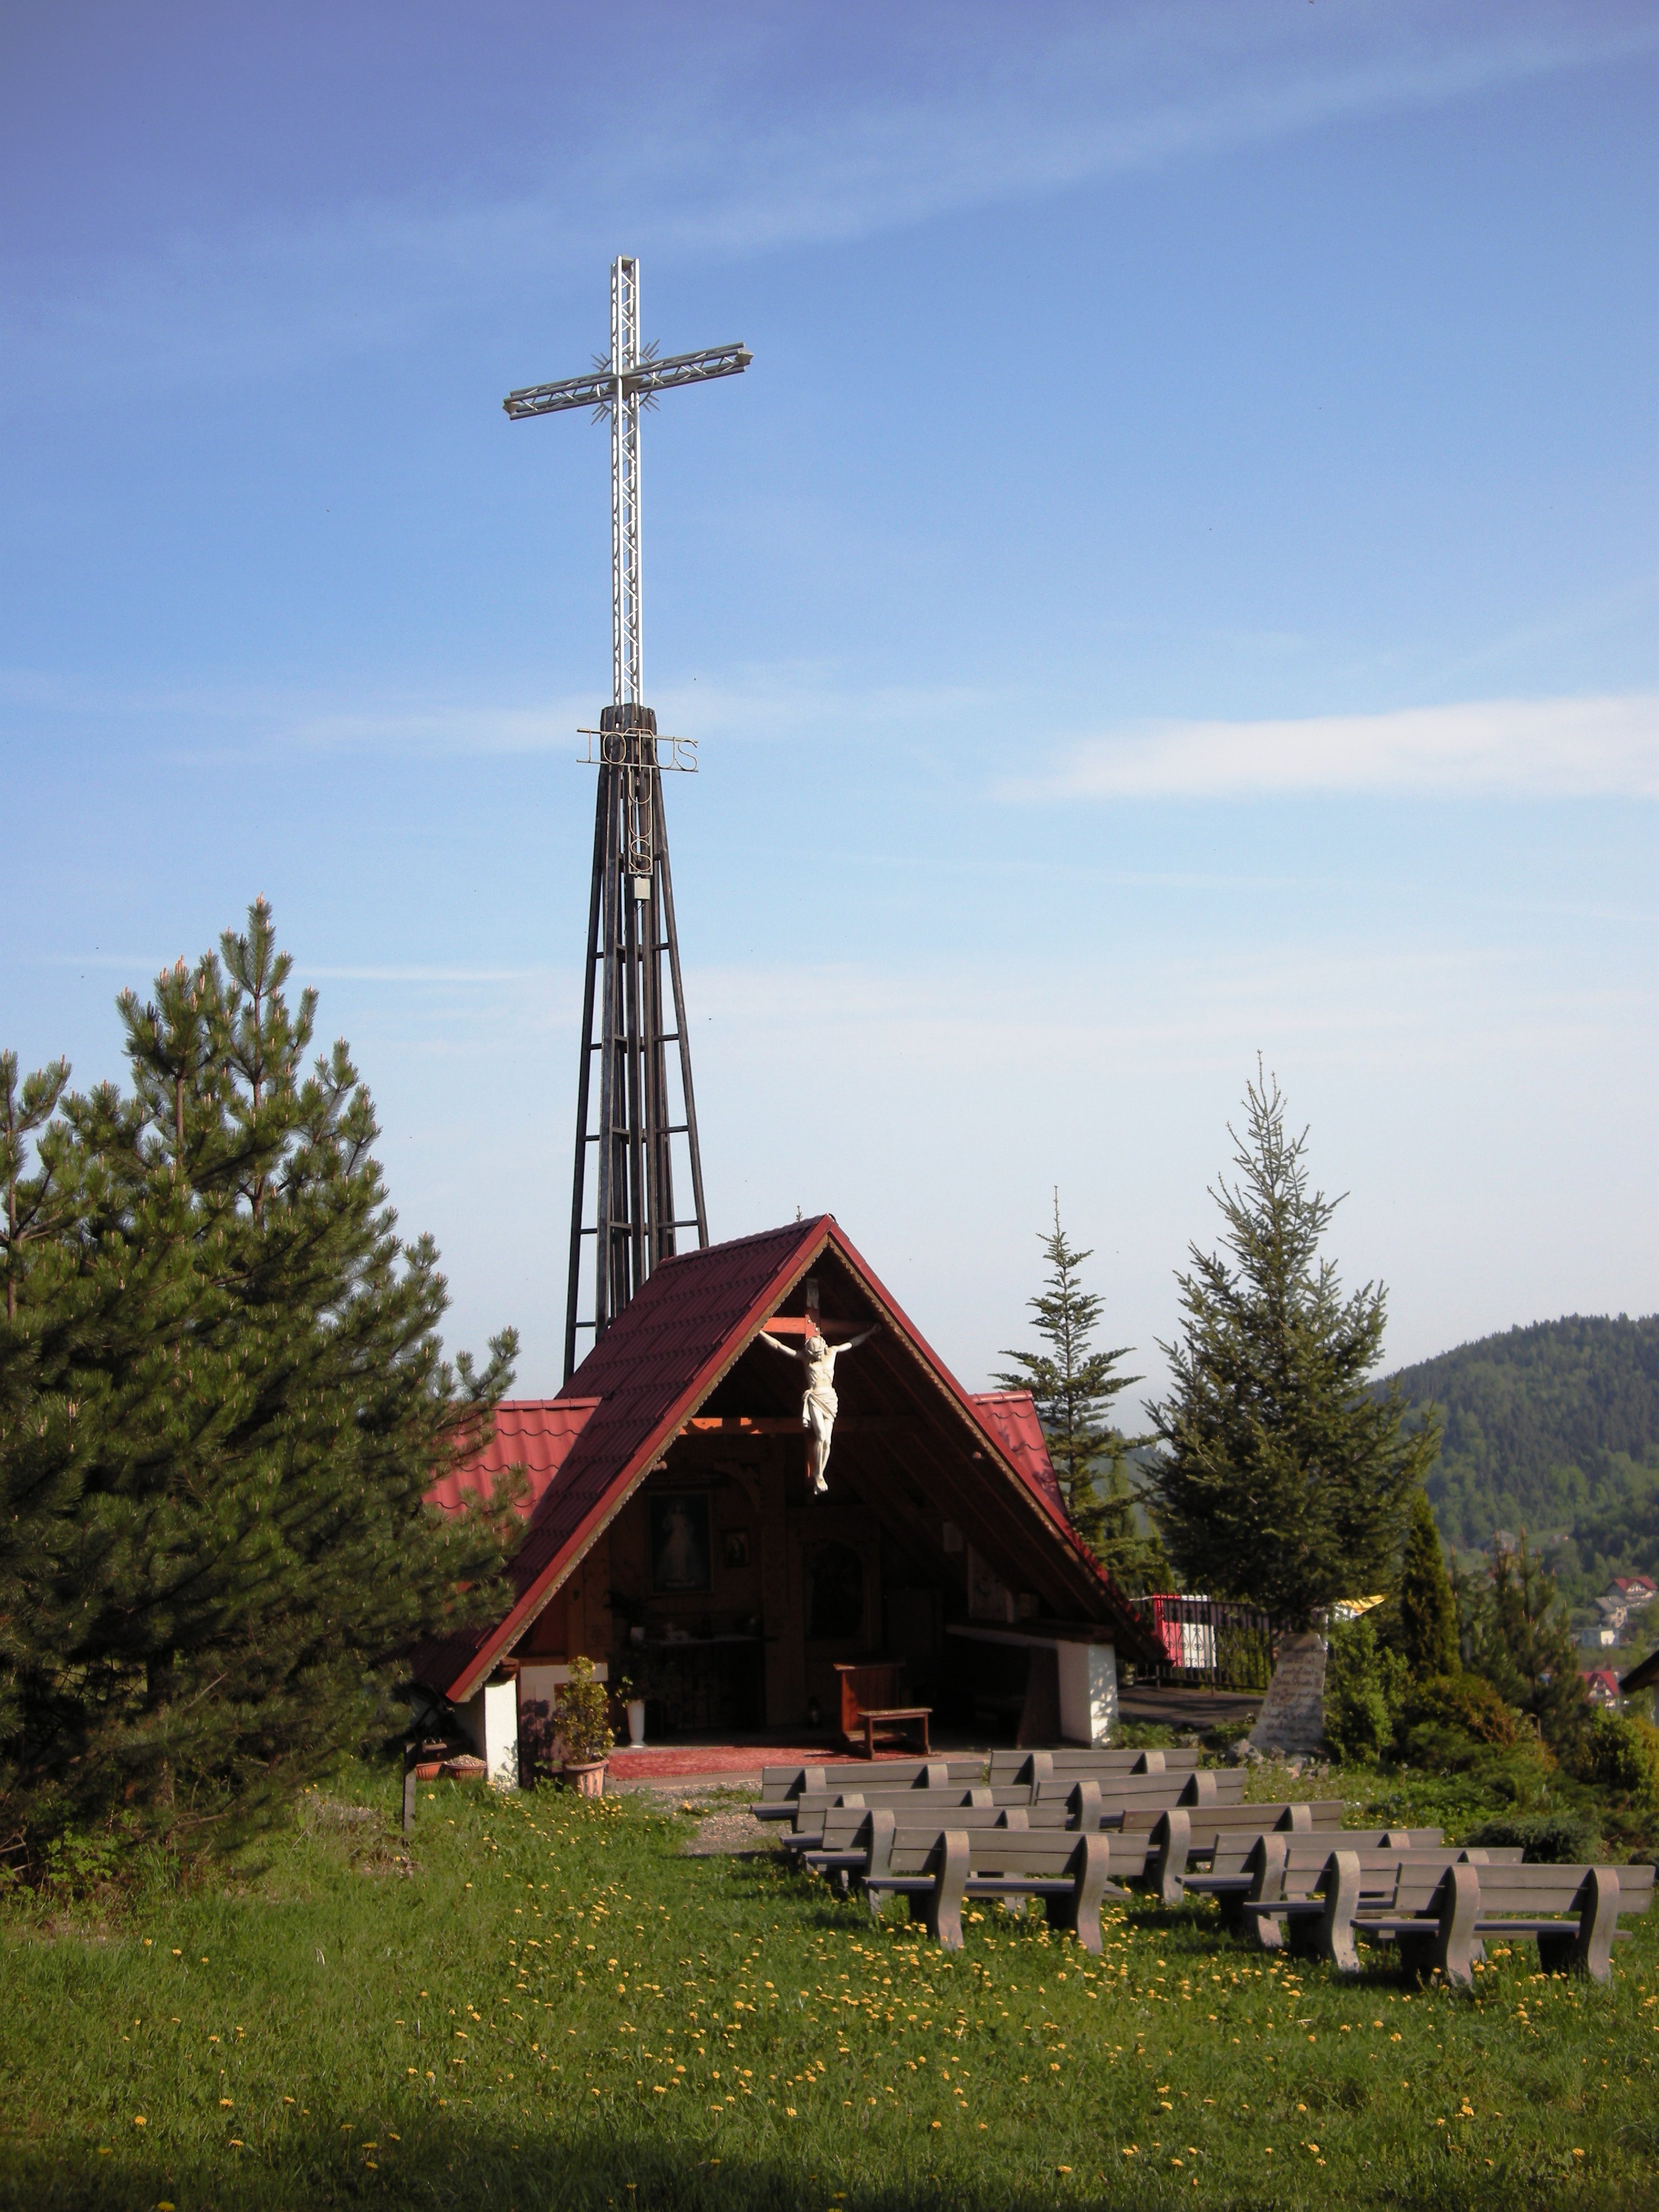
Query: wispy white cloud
point(728, 158)
point(219, 721)
point(1587, 747)
point(405, 973)
point(759, 703)
point(1498, 748)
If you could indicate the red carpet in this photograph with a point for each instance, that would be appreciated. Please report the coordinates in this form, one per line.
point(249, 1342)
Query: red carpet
point(650, 1763)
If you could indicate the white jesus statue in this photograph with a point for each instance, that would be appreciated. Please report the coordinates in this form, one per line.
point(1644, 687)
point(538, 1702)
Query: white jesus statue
point(819, 1405)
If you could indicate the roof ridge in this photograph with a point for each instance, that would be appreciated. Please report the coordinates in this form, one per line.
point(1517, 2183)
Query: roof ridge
point(541, 1404)
point(753, 1236)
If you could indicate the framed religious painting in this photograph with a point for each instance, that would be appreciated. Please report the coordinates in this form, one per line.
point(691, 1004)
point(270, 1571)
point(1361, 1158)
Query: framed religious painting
point(735, 1548)
point(679, 1544)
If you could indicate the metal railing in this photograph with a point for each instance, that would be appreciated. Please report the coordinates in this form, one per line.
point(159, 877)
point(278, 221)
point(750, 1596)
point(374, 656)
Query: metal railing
point(1209, 1642)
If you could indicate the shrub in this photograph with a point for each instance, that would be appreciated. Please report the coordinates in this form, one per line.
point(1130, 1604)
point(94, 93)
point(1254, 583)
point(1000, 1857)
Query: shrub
point(1545, 1838)
point(1467, 1702)
point(1363, 1687)
point(1624, 1756)
point(1143, 1735)
point(581, 1715)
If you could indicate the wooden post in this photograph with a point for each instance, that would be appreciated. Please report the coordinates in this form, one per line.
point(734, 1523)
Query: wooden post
point(411, 1753)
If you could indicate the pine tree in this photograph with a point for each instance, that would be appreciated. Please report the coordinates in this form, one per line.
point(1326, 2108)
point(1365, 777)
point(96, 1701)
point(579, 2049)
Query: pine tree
point(1424, 1614)
point(38, 1205)
point(1073, 1386)
point(221, 1400)
point(1280, 1479)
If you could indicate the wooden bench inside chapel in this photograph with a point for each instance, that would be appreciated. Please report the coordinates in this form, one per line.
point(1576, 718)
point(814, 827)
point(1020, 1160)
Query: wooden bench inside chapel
point(872, 1707)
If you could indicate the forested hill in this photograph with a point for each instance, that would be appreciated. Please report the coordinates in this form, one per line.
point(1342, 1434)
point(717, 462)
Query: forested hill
point(1555, 1428)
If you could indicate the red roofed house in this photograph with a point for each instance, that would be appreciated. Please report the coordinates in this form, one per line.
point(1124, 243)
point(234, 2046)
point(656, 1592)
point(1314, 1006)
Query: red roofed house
point(1602, 1685)
point(671, 1533)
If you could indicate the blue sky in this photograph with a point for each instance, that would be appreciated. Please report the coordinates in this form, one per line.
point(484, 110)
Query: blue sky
point(1177, 581)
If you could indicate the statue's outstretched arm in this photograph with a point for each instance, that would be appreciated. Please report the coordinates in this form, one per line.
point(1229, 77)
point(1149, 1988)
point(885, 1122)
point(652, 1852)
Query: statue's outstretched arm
point(851, 1343)
point(786, 1350)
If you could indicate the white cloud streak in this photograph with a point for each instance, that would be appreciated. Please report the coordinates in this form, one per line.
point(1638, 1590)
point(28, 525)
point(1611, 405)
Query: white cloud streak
point(722, 164)
point(1490, 748)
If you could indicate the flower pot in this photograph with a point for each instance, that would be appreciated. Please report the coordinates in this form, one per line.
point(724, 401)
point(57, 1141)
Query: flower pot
point(428, 1770)
point(585, 1777)
point(636, 1723)
point(465, 1768)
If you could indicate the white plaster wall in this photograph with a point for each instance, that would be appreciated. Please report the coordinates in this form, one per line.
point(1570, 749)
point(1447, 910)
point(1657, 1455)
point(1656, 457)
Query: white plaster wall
point(1088, 1692)
point(539, 1679)
point(491, 1719)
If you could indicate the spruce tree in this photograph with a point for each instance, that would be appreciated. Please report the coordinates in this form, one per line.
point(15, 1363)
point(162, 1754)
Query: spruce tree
point(222, 1397)
point(1073, 1386)
point(1280, 1479)
point(1423, 1624)
point(1522, 1644)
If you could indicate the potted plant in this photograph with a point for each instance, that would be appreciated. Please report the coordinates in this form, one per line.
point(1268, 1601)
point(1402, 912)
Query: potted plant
point(631, 1697)
point(581, 1722)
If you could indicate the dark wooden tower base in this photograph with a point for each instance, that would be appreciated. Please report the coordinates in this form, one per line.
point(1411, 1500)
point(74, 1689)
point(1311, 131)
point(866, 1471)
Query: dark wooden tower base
point(629, 1112)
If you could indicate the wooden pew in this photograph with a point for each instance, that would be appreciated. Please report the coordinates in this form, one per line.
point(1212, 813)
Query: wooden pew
point(1439, 1915)
point(1291, 1861)
point(813, 1804)
point(1072, 1761)
point(1126, 1799)
point(844, 1845)
point(935, 1869)
point(1180, 1835)
point(1285, 1871)
point(781, 1785)
point(1202, 1785)
point(839, 1844)
point(911, 1804)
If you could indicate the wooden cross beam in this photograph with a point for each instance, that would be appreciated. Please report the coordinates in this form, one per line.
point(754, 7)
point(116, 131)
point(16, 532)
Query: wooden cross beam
point(804, 1325)
point(788, 1425)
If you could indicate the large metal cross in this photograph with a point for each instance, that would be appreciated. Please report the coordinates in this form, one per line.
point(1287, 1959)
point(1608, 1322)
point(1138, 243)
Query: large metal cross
point(630, 924)
point(618, 388)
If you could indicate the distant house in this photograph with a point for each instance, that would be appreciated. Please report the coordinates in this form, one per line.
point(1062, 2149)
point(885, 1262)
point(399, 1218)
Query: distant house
point(1633, 1591)
point(1614, 1611)
point(1603, 1683)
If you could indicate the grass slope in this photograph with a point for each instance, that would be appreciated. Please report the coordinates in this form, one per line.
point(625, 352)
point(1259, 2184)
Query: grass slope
point(553, 2007)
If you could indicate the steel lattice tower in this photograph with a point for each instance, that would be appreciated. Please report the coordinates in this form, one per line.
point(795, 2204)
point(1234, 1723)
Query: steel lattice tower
point(632, 990)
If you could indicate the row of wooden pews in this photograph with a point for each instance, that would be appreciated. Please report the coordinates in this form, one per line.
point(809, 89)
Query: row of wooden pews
point(1071, 1829)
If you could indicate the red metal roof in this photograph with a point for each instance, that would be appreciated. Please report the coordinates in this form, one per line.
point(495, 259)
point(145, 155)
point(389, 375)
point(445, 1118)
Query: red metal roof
point(681, 1333)
point(694, 1315)
point(533, 1433)
point(1012, 1416)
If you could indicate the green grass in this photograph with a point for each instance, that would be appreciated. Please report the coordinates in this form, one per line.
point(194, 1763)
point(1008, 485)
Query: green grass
point(554, 2007)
